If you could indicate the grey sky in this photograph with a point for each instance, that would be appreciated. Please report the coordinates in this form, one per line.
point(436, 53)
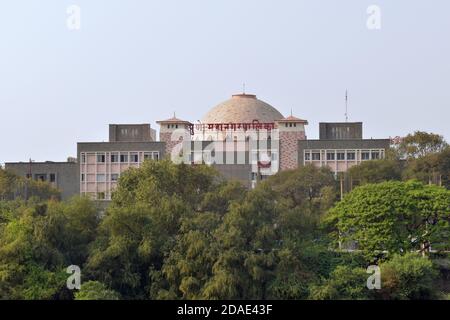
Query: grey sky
point(137, 61)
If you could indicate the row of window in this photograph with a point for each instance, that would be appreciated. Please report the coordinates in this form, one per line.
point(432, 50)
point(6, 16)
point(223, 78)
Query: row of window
point(102, 177)
point(133, 132)
point(331, 156)
point(98, 195)
point(116, 157)
point(207, 156)
point(51, 177)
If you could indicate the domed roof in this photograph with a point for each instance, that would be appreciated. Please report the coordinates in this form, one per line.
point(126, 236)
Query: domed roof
point(242, 108)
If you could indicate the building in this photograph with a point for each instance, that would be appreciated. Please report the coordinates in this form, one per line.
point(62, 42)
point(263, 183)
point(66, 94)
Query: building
point(61, 175)
point(244, 138)
point(341, 146)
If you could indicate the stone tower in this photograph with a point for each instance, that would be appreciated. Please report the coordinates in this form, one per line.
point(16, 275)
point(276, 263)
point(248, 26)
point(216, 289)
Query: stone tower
point(173, 132)
point(291, 130)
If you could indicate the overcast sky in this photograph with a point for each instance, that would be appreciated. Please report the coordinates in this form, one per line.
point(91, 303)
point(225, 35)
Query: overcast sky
point(138, 61)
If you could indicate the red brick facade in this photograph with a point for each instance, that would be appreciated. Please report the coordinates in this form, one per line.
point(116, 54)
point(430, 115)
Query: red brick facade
point(289, 149)
point(167, 138)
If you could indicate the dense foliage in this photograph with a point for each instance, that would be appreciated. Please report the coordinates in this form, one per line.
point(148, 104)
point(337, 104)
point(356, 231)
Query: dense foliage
point(393, 217)
point(182, 232)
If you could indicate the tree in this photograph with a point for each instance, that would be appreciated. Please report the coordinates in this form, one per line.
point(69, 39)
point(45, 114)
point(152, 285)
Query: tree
point(7, 183)
point(38, 241)
point(94, 290)
point(408, 277)
point(376, 171)
point(304, 187)
point(392, 217)
point(248, 238)
point(344, 283)
point(14, 187)
point(433, 168)
point(421, 144)
point(143, 225)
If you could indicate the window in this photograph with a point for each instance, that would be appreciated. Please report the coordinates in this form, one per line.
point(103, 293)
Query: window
point(114, 157)
point(148, 155)
point(28, 176)
point(340, 155)
point(274, 156)
point(330, 156)
point(351, 156)
point(124, 158)
point(316, 156)
point(101, 196)
point(151, 155)
point(82, 177)
point(134, 157)
point(83, 158)
point(101, 177)
point(375, 155)
point(307, 156)
point(40, 177)
point(114, 177)
point(52, 177)
point(101, 158)
point(365, 155)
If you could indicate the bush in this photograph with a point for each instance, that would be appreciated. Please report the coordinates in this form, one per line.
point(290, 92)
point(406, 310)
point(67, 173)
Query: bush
point(94, 290)
point(408, 277)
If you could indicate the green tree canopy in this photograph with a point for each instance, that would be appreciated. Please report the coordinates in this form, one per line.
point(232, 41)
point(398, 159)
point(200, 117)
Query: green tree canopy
point(15, 187)
point(143, 223)
point(344, 283)
point(38, 241)
point(407, 277)
point(420, 144)
point(376, 171)
point(432, 168)
point(94, 290)
point(392, 217)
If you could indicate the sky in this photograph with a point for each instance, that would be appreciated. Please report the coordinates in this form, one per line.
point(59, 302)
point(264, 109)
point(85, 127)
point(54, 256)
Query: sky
point(138, 61)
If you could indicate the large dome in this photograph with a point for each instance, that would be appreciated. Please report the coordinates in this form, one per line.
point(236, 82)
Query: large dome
point(242, 108)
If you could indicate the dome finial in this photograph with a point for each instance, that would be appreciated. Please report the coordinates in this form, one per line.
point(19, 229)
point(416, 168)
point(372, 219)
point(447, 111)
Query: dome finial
point(243, 88)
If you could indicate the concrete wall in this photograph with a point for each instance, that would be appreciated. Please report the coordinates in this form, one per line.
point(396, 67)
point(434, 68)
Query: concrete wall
point(120, 146)
point(66, 174)
point(130, 133)
point(340, 130)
